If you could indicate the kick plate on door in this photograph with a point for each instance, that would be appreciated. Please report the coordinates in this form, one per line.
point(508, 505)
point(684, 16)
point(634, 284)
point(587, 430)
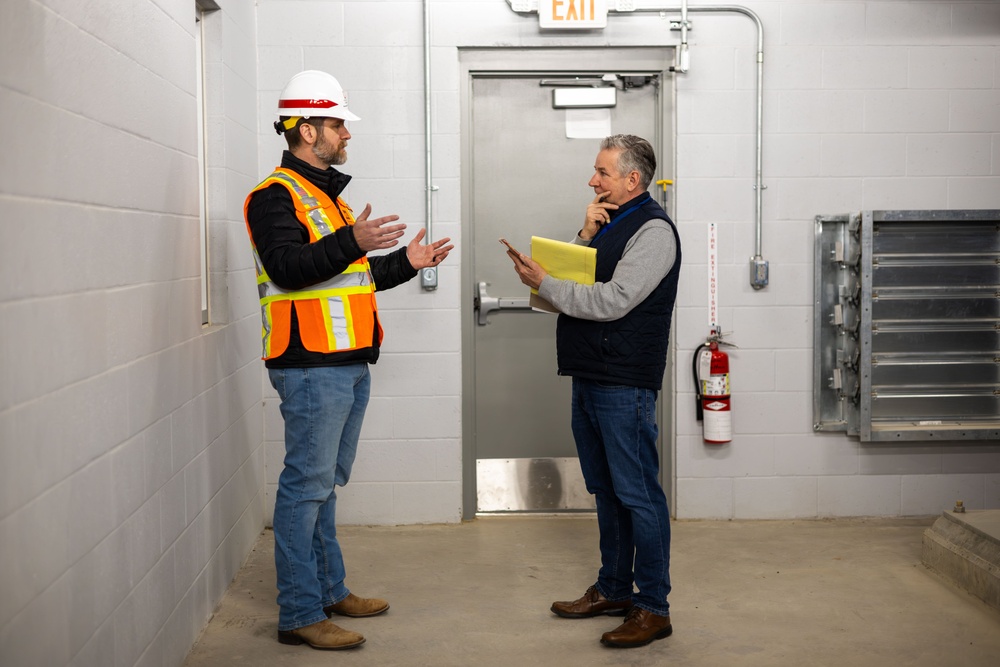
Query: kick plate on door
point(543, 484)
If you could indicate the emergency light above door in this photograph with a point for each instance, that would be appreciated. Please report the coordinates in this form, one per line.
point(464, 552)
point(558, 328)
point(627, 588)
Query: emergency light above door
point(584, 98)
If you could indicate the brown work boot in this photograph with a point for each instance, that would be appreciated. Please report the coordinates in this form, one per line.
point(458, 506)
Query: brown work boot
point(591, 604)
point(356, 607)
point(640, 628)
point(324, 635)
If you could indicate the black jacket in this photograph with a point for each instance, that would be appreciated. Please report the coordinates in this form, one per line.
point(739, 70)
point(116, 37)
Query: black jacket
point(293, 263)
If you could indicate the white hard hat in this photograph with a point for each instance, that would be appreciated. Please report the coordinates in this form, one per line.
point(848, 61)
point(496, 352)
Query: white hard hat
point(314, 93)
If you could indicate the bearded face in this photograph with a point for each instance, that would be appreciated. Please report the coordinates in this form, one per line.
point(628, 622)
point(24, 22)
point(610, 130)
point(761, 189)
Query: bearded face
point(330, 153)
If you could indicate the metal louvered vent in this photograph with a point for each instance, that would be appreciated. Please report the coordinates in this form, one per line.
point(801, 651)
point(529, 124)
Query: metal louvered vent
point(907, 325)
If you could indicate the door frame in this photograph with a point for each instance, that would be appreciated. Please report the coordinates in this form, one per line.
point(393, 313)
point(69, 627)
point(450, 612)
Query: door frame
point(479, 62)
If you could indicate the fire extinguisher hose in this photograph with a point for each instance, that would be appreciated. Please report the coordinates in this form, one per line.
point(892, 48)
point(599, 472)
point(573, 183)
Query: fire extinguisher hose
point(697, 381)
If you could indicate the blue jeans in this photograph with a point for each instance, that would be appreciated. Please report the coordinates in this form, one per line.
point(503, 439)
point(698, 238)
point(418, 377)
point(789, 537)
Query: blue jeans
point(323, 409)
point(615, 431)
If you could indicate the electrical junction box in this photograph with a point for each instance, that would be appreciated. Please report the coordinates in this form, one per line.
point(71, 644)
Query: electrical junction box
point(429, 278)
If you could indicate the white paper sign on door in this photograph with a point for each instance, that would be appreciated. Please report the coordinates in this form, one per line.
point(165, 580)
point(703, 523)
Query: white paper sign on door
point(588, 123)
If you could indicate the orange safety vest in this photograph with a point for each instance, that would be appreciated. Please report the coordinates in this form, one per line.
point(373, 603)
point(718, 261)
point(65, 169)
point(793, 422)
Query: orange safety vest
point(335, 315)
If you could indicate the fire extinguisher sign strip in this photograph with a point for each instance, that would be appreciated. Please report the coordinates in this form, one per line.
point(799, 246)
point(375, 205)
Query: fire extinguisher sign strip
point(713, 278)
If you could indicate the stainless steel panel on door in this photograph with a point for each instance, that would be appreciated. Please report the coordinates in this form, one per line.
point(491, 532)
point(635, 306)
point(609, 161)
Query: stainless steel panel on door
point(528, 178)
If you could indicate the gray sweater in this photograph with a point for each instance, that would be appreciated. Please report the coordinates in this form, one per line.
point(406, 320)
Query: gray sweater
point(648, 257)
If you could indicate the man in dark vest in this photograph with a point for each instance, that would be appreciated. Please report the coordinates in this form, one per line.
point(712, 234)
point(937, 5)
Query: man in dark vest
point(611, 338)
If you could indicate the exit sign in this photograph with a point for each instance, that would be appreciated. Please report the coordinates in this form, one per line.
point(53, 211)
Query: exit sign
point(572, 14)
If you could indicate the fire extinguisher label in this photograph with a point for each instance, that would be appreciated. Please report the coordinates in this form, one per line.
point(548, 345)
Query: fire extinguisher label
point(718, 426)
point(716, 385)
point(704, 364)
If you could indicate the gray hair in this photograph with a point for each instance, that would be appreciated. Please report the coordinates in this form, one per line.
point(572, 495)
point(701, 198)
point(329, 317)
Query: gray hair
point(636, 155)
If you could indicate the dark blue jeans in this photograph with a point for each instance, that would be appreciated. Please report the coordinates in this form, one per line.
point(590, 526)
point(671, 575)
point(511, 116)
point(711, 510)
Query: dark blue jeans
point(323, 409)
point(615, 431)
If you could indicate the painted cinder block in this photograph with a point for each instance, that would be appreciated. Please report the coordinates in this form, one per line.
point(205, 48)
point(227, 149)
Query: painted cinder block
point(365, 503)
point(402, 461)
point(974, 192)
point(428, 502)
point(851, 495)
point(950, 155)
point(704, 498)
point(908, 23)
point(955, 67)
point(866, 154)
point(864, 67)
point(933, 494)
point(414, 374)
point(906, 111)
point(283, 22)
point(745, 456)
point(775, 497)
point(904, 194)
point(427, 417)
point(820, 23)
point(815, 454)
point(900, 459)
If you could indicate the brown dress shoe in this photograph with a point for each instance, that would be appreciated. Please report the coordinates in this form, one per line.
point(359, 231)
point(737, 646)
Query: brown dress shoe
point(640, 628)
point(591, 604)
point(356, 607)
point(324, 635)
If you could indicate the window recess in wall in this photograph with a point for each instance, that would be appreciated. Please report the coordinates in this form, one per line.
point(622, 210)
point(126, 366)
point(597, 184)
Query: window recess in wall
point(906, 337)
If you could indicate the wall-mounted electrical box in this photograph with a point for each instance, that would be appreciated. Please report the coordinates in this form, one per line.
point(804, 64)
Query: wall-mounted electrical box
point(907, 325)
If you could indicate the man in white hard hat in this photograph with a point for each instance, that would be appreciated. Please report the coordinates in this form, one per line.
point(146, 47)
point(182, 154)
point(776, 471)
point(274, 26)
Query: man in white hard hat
point(320, 331)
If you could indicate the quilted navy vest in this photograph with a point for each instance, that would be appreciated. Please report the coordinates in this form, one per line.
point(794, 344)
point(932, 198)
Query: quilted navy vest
point(631, 350)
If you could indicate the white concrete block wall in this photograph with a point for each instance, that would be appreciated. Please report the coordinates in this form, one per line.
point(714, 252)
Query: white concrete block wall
point(131, 440)
point(879, 104)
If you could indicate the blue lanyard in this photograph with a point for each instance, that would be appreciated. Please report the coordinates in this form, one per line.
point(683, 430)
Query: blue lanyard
point(620, 215)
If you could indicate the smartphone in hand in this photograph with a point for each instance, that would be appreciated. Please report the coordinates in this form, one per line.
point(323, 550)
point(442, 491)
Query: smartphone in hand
point(512, 249)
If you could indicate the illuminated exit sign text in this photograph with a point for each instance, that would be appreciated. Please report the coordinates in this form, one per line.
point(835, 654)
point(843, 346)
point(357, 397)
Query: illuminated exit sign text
point(572, 14)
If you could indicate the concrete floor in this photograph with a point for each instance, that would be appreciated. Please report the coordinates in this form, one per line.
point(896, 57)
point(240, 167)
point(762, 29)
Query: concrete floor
point(747, 593)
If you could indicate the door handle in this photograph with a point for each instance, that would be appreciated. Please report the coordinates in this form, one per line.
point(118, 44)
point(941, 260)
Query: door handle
point(486, 304)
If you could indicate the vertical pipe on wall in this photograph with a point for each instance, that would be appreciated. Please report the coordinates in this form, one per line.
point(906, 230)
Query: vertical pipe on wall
point(428, 278)
point(758, 266)
point(684, 58)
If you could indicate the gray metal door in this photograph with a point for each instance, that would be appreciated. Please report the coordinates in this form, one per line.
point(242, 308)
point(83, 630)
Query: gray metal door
point(526, 177)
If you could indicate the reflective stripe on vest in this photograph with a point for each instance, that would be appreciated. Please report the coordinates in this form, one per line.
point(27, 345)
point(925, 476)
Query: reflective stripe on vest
point(345, 302)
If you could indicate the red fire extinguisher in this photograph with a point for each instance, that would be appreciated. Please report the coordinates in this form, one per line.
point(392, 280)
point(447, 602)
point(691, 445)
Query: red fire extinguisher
point(712, 392)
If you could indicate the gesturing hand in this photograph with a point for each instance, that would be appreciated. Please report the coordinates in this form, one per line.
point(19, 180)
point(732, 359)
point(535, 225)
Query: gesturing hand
point(376, 234)
point(430, 254)
point(597, 215)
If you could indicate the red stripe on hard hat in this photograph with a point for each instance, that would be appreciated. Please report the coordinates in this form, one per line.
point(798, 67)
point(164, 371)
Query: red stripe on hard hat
point(306, 104)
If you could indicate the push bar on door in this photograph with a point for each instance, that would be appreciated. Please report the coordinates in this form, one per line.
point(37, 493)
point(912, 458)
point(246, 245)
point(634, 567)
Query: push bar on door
point(486, 304)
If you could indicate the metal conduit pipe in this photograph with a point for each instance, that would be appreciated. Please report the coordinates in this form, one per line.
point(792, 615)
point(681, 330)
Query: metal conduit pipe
point(758, 265)
point(428, 277)
point(683, 56)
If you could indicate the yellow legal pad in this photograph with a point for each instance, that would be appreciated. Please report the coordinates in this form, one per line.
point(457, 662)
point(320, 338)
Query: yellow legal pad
point(565, 261)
